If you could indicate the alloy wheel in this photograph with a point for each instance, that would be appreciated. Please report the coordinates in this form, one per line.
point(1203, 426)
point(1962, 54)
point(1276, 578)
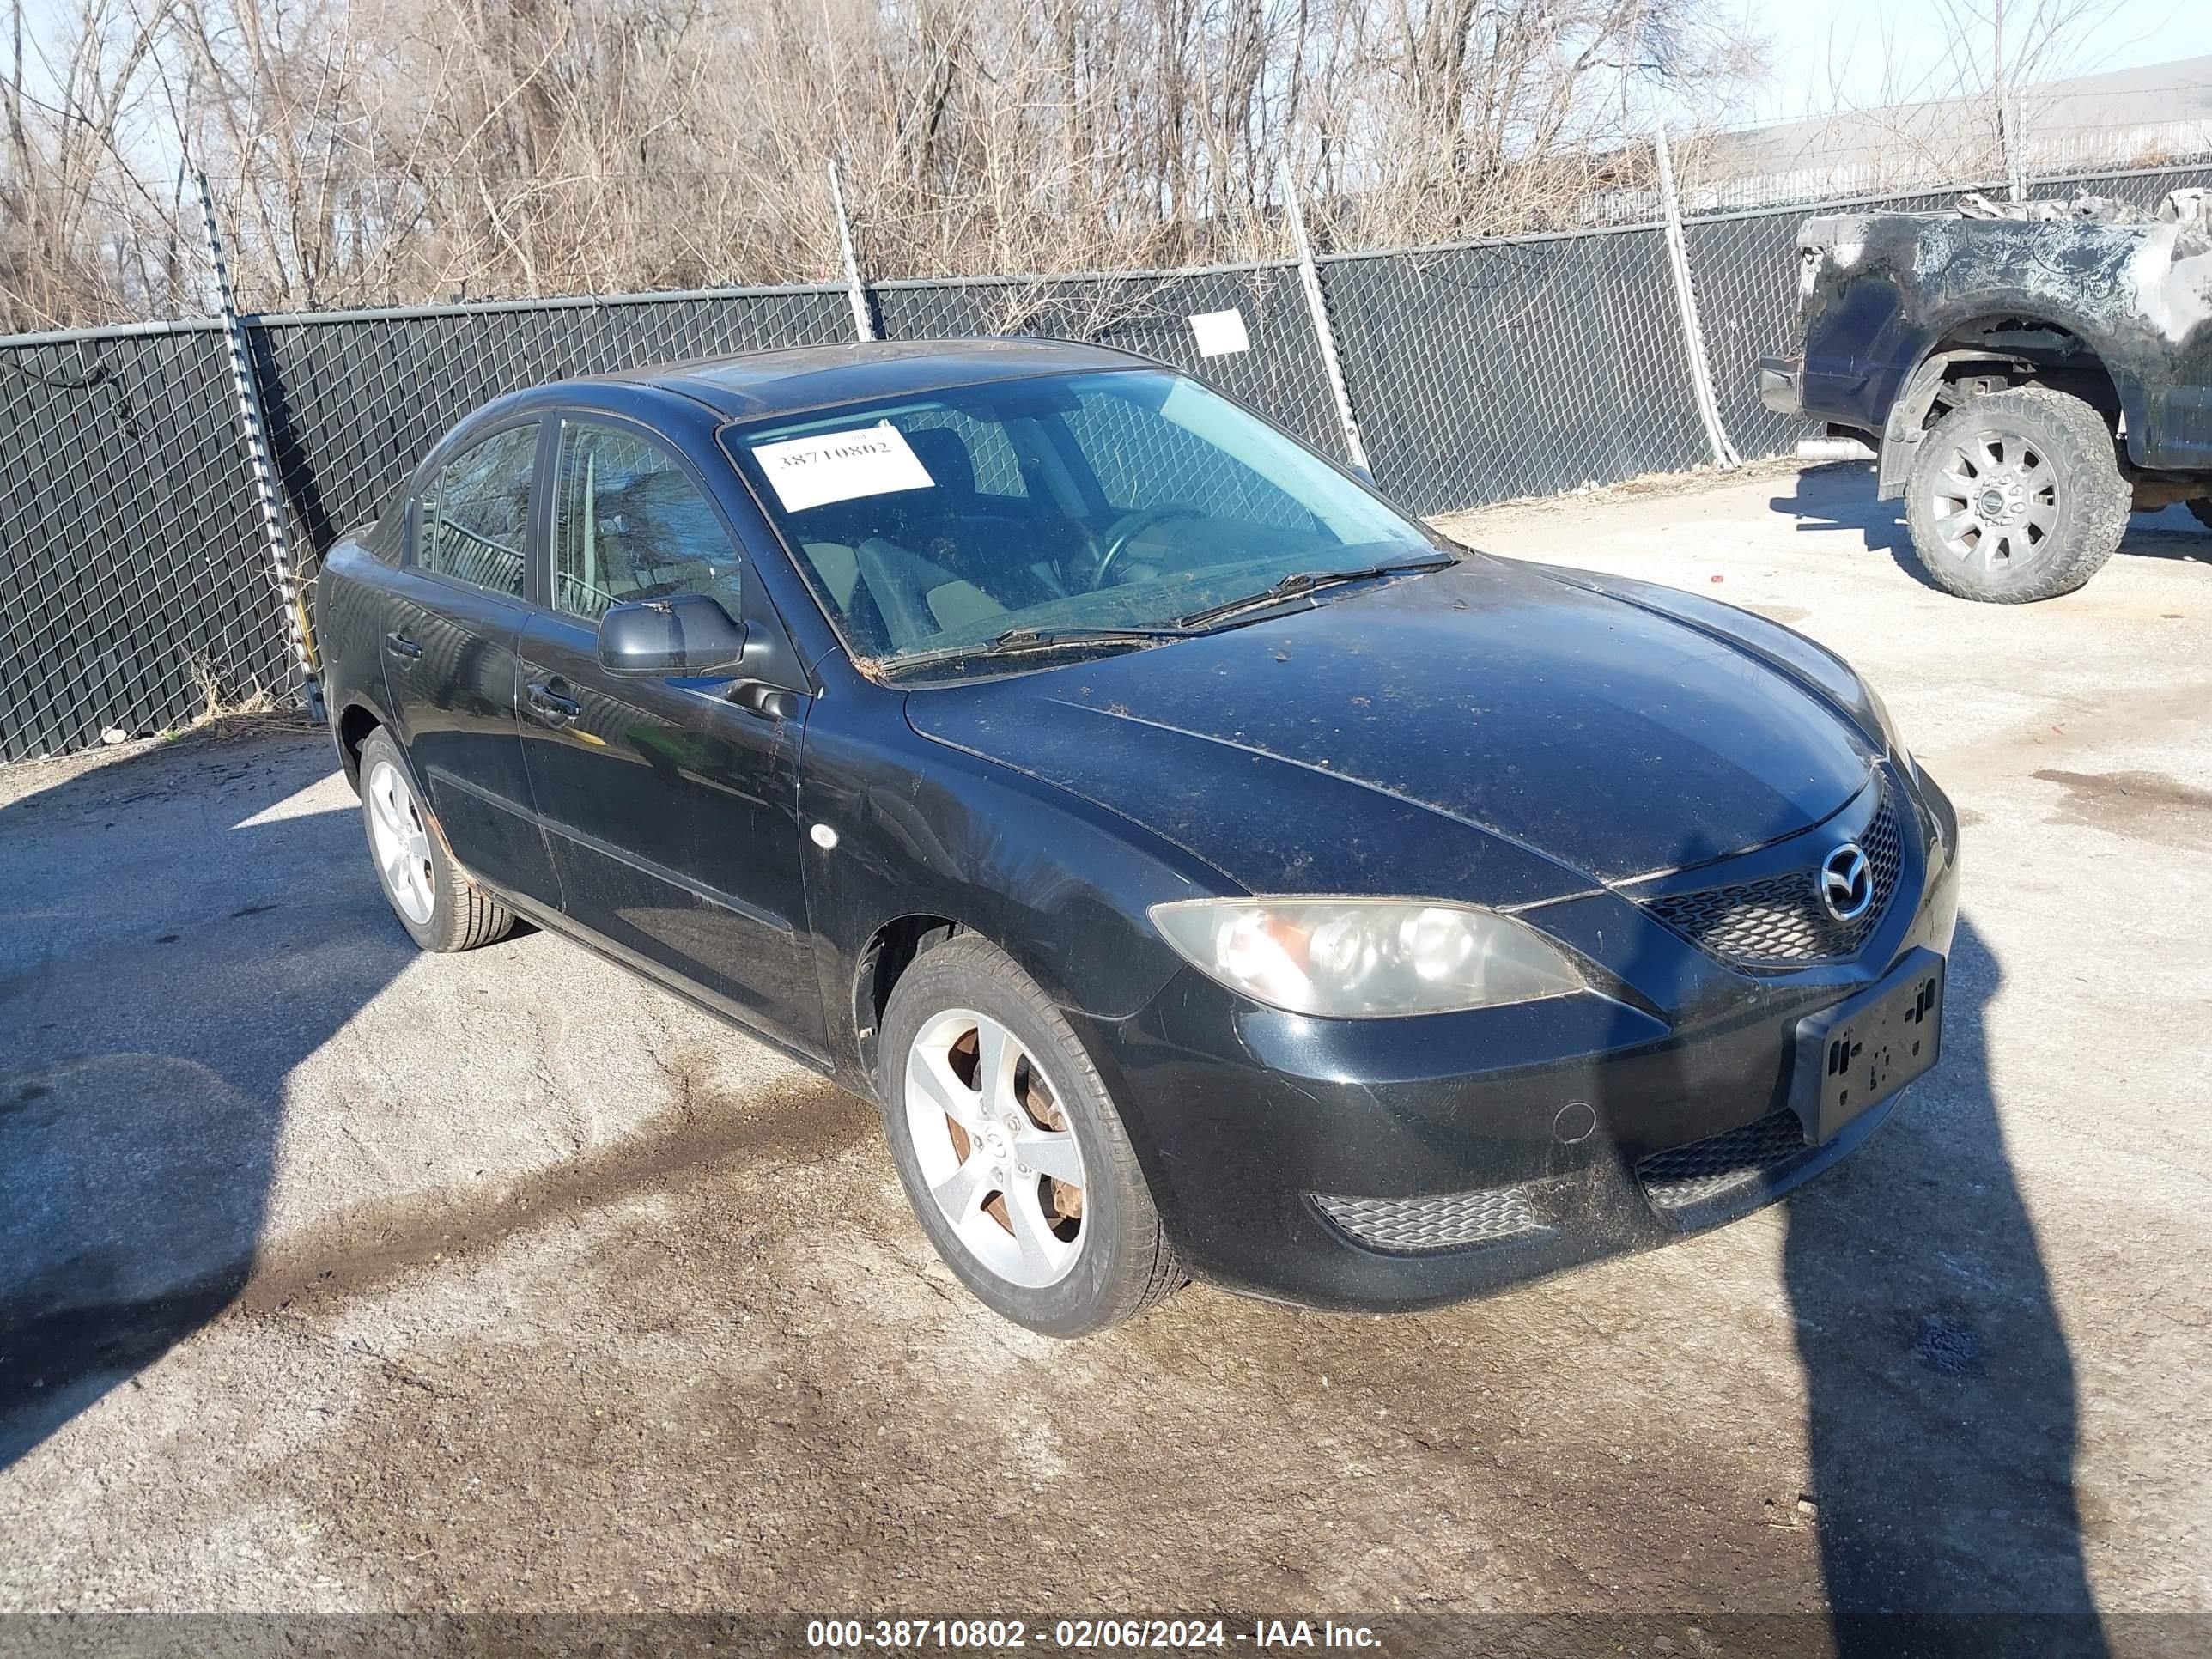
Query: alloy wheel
point(997, 1152)
point(401, 842)
point(1995, 501)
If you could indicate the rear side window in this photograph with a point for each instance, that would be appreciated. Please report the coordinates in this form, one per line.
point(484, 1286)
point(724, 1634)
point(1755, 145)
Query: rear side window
point(474, 516)
point(629, 524)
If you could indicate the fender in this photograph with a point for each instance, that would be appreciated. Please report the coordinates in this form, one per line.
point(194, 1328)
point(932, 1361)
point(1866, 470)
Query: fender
point(1908, 411)
point(1892, 305)
point(965, 833)
point(364, 704)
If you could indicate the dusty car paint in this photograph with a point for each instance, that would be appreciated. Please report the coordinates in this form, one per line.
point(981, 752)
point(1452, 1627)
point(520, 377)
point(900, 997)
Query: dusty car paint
point(1560, 746)
point(1472, 697)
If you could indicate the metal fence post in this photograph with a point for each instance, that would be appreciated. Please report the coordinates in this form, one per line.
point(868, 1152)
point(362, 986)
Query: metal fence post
point(1686, 301)
point(255, 432)
point(863, 324)
point(1317, 306)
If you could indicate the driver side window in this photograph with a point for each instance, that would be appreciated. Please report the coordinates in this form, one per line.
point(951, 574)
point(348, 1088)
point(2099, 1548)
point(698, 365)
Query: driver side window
point(1142, 462)
point(629, 524)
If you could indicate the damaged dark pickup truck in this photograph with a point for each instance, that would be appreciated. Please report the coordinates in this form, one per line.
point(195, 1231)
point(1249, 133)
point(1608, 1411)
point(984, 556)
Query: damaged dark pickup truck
point(2029, 373)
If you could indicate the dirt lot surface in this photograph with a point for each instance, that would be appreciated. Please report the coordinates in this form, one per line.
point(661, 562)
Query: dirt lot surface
point(333, 1276)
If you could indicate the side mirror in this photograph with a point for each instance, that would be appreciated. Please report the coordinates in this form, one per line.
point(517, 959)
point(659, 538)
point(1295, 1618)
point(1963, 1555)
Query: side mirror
point(683, 634)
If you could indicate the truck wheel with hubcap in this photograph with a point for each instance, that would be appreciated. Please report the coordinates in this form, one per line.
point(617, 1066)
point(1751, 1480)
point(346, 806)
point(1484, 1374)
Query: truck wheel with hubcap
point(2016, 496)
point(1012, 1150)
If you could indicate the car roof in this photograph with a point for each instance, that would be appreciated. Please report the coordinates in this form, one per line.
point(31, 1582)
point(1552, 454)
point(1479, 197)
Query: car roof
point(796, 378)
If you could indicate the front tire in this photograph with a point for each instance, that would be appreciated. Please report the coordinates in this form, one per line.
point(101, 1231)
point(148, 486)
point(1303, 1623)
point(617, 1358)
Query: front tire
point(1011, 1152)
point(2201, 510)
point(2016, 496)
point(437, 903)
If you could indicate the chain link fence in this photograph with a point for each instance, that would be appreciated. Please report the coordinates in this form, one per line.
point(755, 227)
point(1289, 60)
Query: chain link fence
point(1510, 369)
point(354, 398)
point(1148, 312)
point(136, 584)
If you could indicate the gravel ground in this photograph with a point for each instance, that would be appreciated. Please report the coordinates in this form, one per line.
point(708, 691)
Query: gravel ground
point(336, 1277)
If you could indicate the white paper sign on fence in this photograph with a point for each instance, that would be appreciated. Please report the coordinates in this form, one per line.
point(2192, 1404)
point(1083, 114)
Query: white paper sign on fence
point(1220, 332)
point(839, 466)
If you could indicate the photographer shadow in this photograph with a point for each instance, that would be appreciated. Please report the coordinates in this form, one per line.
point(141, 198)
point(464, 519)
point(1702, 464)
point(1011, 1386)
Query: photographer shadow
point(1941, 1409)
point(179, 930)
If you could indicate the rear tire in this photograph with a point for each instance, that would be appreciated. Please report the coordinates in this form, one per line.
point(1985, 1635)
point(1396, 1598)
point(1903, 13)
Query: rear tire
point(435, 900)
point(2016, 496)
point(2201, 510)
point(1010, 1149)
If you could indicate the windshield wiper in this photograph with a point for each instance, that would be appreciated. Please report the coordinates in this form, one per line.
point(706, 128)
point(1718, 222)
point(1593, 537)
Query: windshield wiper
point(1306, 582)
point(1016, 641)
point(1022, 636)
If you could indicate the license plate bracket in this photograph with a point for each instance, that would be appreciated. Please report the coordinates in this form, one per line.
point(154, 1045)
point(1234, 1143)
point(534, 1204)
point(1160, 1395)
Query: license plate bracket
point(1852, 1057)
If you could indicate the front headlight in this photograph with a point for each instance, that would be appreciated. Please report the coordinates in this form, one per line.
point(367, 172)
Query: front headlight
point(1365, 958)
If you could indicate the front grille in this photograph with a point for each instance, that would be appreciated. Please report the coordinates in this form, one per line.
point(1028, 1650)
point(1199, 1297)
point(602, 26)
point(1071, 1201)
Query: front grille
point(1778, 922)
point(1436, 1221)
point(1682, 1176)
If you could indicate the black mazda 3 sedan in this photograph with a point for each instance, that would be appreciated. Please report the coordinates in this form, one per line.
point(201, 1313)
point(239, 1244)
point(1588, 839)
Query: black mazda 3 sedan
point(1206, 868)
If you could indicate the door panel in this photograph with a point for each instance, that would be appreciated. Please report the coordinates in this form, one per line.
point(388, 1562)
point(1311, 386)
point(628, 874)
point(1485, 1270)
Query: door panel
point(672, 810)
point(672, 814)
point(450, 673)
point(452, 621)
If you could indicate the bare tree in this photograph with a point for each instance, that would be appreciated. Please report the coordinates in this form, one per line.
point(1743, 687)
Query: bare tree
point(82, 233)
point(372, 150)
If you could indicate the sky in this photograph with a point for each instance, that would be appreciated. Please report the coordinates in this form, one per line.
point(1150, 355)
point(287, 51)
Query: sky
point(1873, 52)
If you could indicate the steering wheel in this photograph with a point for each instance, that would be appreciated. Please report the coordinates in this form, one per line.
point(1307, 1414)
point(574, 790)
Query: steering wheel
point(1127, 528)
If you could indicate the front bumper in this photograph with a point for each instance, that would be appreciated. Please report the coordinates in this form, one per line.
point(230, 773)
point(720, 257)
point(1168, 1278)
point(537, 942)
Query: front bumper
point(1781, 385)
point(1385, 1164)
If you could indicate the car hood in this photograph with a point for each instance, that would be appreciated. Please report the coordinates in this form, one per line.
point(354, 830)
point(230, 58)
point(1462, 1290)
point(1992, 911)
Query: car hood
point(1591, 735)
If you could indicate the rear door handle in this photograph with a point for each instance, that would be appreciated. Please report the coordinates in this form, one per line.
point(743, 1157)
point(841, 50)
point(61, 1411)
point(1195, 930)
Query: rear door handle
point(400, 645)
point(549, 707)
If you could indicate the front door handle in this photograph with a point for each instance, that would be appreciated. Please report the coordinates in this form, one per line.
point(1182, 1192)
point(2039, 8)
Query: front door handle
point(549, 707)
point(399, 645)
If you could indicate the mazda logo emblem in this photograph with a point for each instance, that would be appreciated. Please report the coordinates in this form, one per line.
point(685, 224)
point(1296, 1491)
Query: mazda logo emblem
point(1846, 883)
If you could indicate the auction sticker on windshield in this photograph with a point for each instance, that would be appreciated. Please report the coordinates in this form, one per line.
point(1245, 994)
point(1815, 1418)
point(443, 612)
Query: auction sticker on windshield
point(841, 466)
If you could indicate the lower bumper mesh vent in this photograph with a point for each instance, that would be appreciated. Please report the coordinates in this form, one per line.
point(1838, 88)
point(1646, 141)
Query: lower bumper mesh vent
point(1684, 1176)
point(1436, 1221)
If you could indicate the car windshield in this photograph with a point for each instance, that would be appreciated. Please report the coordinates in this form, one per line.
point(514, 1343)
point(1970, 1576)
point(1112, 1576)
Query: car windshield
point(1094, 510)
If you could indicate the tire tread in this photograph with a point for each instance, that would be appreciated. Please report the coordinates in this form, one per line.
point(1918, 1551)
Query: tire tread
point(478, 918)
point(463, 915)
point(2088, 462)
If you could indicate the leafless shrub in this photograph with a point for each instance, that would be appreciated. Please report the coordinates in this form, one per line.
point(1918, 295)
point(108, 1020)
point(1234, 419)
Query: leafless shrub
point(221, 698)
